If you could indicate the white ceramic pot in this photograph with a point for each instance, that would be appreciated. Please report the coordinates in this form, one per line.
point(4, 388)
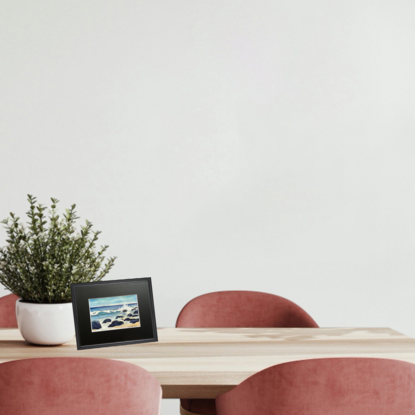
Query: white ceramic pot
point(47, 324)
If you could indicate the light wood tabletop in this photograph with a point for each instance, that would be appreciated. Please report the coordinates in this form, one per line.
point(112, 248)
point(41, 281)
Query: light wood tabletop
point(202, 363)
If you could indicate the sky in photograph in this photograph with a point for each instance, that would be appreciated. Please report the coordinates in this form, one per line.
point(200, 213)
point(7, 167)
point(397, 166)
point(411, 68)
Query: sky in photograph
point(122, 299)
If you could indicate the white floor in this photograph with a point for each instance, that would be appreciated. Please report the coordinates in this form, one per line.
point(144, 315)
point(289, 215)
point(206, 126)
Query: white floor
point(170, 407)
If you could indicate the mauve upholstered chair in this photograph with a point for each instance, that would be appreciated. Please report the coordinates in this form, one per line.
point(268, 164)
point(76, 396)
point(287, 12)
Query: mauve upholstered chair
point(335, 386)
point(237, 309)
point(8, 311)
point(77, 386)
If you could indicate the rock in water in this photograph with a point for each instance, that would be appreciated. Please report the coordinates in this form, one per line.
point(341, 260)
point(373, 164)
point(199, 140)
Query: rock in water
point(119, 317)
point(116, 323)
point(130, 315)
point(107, 320)
point(135, 312)
point(134, 320)
point(96, 325)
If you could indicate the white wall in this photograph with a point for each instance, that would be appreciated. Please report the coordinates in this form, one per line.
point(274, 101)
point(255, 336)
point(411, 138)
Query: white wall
point(258, 145)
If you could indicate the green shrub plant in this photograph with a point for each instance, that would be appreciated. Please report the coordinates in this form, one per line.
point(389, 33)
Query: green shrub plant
point(42, 260)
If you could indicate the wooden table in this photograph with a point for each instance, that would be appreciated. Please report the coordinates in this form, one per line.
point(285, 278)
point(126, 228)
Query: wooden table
point(202, 363)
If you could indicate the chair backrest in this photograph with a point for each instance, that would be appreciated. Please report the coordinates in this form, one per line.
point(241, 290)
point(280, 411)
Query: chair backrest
point(335, 386)
point(81, 386)
point(243, 309)
point(8, 311)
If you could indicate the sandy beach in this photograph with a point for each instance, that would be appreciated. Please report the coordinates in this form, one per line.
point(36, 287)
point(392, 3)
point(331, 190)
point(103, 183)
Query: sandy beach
point(126, 325)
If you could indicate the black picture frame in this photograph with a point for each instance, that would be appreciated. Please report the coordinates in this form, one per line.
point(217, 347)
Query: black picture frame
point(87, 338)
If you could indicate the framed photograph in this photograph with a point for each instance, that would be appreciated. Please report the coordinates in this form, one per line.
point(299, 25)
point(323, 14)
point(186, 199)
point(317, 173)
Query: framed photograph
point(113, 313)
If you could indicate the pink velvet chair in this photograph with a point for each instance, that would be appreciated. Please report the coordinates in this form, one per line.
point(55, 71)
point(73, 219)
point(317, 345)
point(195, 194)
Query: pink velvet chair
point(77, 386)
point(237, 309)
point(8, 311)
point(336, 386)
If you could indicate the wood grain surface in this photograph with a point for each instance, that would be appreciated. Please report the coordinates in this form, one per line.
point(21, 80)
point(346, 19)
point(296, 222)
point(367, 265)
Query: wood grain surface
point(202, 363)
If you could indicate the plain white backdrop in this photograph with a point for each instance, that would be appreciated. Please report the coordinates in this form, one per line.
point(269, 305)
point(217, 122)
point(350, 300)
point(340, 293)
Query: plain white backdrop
point(254, 145)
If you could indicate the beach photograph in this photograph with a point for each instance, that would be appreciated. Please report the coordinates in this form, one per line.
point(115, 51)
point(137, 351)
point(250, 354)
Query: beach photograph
point(114, 313)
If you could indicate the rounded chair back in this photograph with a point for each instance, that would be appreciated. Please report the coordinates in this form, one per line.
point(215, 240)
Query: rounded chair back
point(237, 309)
point(335, 386)
point(243, 309)
point(81, 386)
point(8, 311)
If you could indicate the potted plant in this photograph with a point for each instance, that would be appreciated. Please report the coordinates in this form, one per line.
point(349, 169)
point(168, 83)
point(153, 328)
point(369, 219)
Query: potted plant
point(40, 263)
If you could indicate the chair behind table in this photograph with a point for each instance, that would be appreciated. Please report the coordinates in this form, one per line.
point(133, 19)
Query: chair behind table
point(8, 311)
point(237, 309)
